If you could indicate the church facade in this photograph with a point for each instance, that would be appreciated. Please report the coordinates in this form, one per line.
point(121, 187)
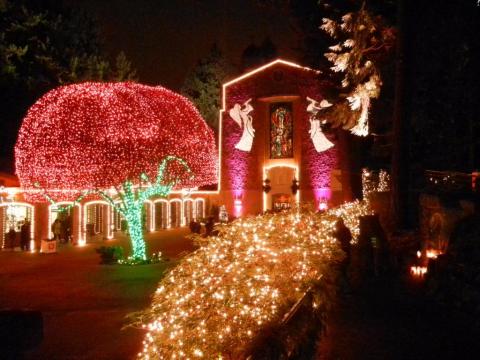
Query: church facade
point(273, 151)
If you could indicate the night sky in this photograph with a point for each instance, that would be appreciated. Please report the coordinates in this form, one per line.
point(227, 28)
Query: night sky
point(164, 39)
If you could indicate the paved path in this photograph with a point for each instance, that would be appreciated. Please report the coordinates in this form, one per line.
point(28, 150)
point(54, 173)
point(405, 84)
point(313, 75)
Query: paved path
point(84, 304)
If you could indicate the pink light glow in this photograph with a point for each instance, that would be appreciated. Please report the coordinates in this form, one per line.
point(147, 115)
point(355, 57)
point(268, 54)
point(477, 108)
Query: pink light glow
point(322, 206)
point(237, 203)
point(322, 196)
point(237, 206)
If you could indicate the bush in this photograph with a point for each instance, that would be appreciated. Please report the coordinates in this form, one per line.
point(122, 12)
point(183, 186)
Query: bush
point(110, 254)
point(154, 259)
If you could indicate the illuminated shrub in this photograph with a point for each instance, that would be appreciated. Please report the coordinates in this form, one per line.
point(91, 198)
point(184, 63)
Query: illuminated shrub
point(97, 135)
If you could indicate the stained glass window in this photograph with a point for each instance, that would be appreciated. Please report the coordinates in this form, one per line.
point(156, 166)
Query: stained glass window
point(281, 131)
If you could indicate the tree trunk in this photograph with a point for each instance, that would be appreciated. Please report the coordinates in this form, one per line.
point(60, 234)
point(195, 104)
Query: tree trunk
point(399, 149)
point(135, 229)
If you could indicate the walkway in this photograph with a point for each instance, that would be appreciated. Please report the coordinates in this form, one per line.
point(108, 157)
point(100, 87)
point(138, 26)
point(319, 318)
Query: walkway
point(84, 304)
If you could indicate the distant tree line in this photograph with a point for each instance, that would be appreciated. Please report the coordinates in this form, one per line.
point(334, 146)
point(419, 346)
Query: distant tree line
point(44, 44)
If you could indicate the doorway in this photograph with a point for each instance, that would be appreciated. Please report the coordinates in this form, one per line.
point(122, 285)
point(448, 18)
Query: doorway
point(281, 195)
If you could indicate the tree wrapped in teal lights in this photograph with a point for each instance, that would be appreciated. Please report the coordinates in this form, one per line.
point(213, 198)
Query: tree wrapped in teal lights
point(132, 199)
point(98, 139)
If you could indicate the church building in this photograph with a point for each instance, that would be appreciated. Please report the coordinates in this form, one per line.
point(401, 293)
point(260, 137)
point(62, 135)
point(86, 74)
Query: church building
point(274, 151)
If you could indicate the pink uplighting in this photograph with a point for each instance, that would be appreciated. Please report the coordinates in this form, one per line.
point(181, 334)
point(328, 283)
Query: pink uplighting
point(237, 205)
point(322, 196)
point(322, 205)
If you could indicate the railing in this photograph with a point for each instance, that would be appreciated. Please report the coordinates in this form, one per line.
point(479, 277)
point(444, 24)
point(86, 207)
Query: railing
point(287, 337)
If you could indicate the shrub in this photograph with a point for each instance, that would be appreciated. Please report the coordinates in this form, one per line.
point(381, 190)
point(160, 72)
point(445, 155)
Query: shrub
point(110, 254)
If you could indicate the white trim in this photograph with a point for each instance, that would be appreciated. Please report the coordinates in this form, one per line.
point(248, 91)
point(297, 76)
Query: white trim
point(184, 203)
point(83, 240)
point(170, 210)
point(50, 234)
point(32, 222)
point(198, 200)
point(152, 214)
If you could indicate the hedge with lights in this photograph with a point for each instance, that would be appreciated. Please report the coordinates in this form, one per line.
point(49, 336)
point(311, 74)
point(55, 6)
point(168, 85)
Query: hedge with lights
point(219, 300)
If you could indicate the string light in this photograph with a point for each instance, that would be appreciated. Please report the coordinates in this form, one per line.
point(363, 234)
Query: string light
point(97, 135)
point(383, 181)
point(351, 213)
point(219, 298)
point(374, 182)
point(91, 137)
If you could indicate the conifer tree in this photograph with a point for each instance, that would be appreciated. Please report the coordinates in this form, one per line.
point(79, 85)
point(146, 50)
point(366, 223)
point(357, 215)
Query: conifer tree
point(362, 38)
point(203, 85)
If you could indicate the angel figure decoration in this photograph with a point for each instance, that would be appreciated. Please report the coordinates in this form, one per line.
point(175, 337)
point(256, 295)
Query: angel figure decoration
point(319, 139)
point(241, 116)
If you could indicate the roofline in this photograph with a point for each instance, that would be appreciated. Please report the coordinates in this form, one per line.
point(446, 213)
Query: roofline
point(263, 67)
point(8, 175)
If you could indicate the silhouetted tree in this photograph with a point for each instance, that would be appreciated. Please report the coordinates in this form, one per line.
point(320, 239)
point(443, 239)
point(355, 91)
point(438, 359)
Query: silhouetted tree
point(42, 45)
point(254, 55)
point(204, 83)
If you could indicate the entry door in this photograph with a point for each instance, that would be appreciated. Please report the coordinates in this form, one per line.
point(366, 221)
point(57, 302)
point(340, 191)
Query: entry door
point(280, 195)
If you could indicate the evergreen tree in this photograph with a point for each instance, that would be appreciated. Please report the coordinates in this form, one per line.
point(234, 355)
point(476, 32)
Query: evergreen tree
point(254, 56)
point(43, 45)
point(363, 40)
point(203, 85)
point(123, 68)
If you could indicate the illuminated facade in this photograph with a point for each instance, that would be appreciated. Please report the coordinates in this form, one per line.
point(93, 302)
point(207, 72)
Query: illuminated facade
point(290, 157)
point(274, 151)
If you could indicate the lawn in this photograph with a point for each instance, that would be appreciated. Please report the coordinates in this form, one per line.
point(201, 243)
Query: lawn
point(84, 304)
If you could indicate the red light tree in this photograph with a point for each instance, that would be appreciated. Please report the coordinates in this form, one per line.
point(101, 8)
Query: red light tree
point(95, 137)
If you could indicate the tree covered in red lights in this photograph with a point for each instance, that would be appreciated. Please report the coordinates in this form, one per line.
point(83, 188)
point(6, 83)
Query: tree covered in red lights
point(114, 137)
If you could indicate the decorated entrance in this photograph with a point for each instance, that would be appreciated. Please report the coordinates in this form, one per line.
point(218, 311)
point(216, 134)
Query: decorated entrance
point(161, 214)
point(283, 192)
point(97, 220)
point(175, 212)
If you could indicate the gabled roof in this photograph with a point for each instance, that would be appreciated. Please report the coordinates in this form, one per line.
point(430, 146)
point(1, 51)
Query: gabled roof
point(266, 66)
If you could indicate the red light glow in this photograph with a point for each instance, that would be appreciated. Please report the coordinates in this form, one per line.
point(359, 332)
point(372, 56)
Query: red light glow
point(97, 135)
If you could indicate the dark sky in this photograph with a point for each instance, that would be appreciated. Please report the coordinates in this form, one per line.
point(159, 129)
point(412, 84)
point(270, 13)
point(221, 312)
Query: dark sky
point(165, 38)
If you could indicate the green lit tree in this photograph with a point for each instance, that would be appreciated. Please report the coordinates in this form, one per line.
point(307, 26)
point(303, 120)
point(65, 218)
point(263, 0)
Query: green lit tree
point(132, 199)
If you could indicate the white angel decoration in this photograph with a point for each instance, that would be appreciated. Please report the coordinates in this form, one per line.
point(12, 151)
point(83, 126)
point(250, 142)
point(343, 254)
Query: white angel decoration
point(319, 140)
point(243, 119)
